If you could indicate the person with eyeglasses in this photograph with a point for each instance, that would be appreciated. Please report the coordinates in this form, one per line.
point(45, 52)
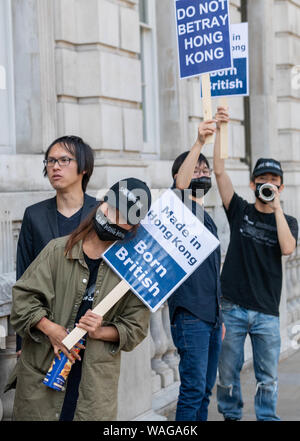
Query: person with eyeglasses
point(194, 308)
point(68, 164)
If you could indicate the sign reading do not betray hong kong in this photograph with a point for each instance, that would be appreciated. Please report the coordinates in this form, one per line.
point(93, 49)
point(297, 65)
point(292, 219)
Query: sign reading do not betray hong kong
point(169, 245)
point(203, 33)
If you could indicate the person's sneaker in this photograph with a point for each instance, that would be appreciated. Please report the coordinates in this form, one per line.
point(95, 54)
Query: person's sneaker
point(231, 419)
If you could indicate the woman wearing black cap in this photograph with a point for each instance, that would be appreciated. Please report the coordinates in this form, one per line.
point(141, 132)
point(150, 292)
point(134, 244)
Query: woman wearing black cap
point(57, 292)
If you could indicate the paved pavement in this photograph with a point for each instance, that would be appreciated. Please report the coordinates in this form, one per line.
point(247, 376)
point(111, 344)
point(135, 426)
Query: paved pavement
point(288, 407)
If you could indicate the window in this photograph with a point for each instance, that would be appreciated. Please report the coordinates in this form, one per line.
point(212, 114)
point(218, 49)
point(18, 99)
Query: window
point(149, 76)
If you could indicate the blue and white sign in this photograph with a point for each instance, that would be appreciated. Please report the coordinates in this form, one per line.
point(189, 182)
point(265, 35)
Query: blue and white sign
point(234, 81)
point(170, 244)
point(203, 34)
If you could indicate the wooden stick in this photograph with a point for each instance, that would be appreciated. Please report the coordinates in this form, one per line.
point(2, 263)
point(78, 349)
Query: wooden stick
point(223, 102)
point(207, 106)
point(105, 305)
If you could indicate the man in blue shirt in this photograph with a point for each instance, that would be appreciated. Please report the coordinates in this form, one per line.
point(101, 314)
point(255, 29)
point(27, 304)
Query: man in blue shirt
point(195, 317)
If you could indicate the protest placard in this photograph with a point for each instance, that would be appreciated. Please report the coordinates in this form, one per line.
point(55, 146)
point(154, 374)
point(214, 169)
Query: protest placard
point(234, 81)
point(203, 36)
point(169, 245)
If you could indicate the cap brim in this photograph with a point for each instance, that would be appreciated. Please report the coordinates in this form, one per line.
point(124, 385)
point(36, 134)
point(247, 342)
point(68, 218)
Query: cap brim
point(267, 170)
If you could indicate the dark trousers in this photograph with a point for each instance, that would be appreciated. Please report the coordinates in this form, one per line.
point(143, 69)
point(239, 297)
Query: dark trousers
point(198, 344)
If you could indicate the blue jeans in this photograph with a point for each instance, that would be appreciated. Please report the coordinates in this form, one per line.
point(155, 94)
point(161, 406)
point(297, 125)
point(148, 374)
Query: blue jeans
point(264, 331)
point(198, 344)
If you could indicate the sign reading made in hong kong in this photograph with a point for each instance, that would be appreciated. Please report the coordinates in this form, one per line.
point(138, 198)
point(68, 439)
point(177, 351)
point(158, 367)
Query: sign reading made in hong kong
point(203, 36)
point(234, 81)
point(170, 244)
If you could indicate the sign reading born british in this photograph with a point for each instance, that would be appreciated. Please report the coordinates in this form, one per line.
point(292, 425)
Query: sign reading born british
point(203, 31)
point(234, 81)
point(169, 245)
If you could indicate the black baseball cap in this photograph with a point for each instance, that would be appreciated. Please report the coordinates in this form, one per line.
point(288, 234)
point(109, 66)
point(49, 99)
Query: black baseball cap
point(132, 197)
point(264, 165)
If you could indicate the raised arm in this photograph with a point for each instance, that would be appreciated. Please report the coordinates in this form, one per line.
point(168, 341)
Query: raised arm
point(224, 183)
point(186, 171)
point(286, 239)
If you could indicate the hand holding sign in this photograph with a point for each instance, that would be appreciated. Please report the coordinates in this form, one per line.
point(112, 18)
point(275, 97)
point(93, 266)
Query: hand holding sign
point(205, 130)
point(207, 107)
point(222, 116)
point(101, 309)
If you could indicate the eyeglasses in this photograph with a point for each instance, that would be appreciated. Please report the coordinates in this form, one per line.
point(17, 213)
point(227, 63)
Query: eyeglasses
point(62, 162)
point(203, 171)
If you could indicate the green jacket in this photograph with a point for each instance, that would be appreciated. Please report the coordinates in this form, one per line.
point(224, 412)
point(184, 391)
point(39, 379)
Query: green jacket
point(53, 286)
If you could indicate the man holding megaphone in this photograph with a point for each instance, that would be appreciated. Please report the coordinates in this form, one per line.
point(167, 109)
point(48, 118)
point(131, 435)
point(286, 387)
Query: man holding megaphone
point(251, 281)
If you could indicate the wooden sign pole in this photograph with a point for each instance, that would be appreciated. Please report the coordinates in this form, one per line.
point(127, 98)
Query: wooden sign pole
point(105, 305)
point(207, 106)
point(223, 102)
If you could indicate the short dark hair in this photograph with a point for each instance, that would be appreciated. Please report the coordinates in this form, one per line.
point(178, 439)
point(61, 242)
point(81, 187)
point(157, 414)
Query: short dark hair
point(180, 160)
point(83, 153)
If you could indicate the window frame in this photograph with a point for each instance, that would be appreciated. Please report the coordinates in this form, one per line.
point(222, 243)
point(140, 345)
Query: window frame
point(149, 81)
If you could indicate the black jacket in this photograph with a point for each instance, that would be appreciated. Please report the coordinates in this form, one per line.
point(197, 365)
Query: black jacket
point(39, 226)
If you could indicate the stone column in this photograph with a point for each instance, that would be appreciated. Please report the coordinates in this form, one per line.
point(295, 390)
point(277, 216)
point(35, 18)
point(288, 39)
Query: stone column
point(172, 103)
point(7, 108)
point(135, 386)
point(7, 363)
point(170, 357)
point(262, 78)
point(35, 98)
point(155, 378)
point(287, 27)
point(283, 308)
point(161, 345)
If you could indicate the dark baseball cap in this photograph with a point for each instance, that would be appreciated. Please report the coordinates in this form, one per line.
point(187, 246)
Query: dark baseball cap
point(264, 165)
point(132, 197)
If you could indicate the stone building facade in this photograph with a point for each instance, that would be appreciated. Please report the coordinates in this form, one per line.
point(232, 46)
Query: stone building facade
point(107, 70)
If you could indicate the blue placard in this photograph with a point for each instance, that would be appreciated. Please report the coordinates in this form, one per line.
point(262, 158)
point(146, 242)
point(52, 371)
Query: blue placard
point(169, 245)
point(150, 271)
point(232, 81)
point(203, 31)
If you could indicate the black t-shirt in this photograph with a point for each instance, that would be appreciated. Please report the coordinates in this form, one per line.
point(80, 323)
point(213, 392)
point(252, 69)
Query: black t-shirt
point(66, 225)
point(71, 397)
point(87, 300)
point(252, 271)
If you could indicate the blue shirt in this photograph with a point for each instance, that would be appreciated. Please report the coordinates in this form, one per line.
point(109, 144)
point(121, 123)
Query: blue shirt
point(200, 294)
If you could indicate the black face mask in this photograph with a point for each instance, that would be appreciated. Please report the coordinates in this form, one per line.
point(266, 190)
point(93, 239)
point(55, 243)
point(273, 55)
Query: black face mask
point(203, 183)
point(107, 231)
point(257, 192)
